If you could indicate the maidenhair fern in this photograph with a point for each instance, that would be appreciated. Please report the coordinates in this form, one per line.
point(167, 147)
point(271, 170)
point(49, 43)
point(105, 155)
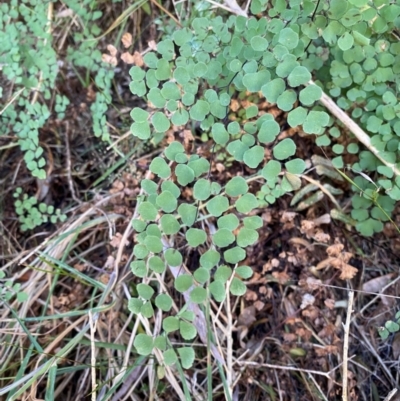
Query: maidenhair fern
point(29, 67)
point(191, 78)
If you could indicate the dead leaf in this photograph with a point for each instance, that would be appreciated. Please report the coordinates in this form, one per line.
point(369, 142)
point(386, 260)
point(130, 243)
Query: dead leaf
point(324, 219)
point(347, 272)
point(127, 58)
point(282, 277)
point(288, 217)
point(116, 240)
point(152, 44)
point(112, 50)
point(247, 317)
point(396, 346)
point(106, 58)
point(68, 12)
point(322, 237)
point(313, 283)
point(329, 303)
point(307, 300)
point(334, 250)
point(289, 337)
point(138, 59)
point(126, 39)
point(378, 283)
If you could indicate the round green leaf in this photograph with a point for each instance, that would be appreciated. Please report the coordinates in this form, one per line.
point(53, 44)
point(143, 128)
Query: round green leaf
point(273, 89)
point(170, 357)
point(143, 344)
point(217, 289)
point(153, 243)
point(139, 225)
point(169, 224)
point(187, 330)
point(223, 237)
point(220, 134)
point(156, 264)
point(188, 213)
point(244, 272)
point(187, 356)
point(181, 75)
point(253, 222)
point(201, 275)
point(139, 115)
point(284, 149)
point(298, 115)
point(145, 291)
point(173, 149)
point(202, 189)
point(141, 130)
point(183, 282)
point(173, 257)
point(180, 117)
point(309, 95)
point(237, 287)
point(268, 131)
point(160, 342)
point(246, 203)
point(147, 211)
point(346, 41)
point(198, 295)
point(199, 110)
point(167, 202)
point(258, 43)
point(218, 205)
point(234, 255)
point(229, 221)
point(286, 100)
point(254, 156)
point(156, 98)
point(170, 324)
point(195, 237)
point(299, 76)
point(223, 274)
point(147, 310)
point(140, 251)
point(184, 174)
point(296, 166)
point(139, 268)
point(160, 122)
point(209, 259)
point(159, 166)
point(288, 38)
point(246, 237)
point(163, 302)
point(236, 186)
point(135, 305)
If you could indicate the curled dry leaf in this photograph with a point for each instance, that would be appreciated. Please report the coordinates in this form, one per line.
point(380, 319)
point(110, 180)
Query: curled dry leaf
point(106, 58)
point(126, 39)
point(329, 303)
point(127, 58)
point(152, 44)
point(136, 58)
point(288, 217)
point(68, 12)
point(320, 236)
point(247, 317)
point(313, 283)
point(116, 240)
point(334, 250)
point(307, 300)
point(112, 50)
point(378, 283)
